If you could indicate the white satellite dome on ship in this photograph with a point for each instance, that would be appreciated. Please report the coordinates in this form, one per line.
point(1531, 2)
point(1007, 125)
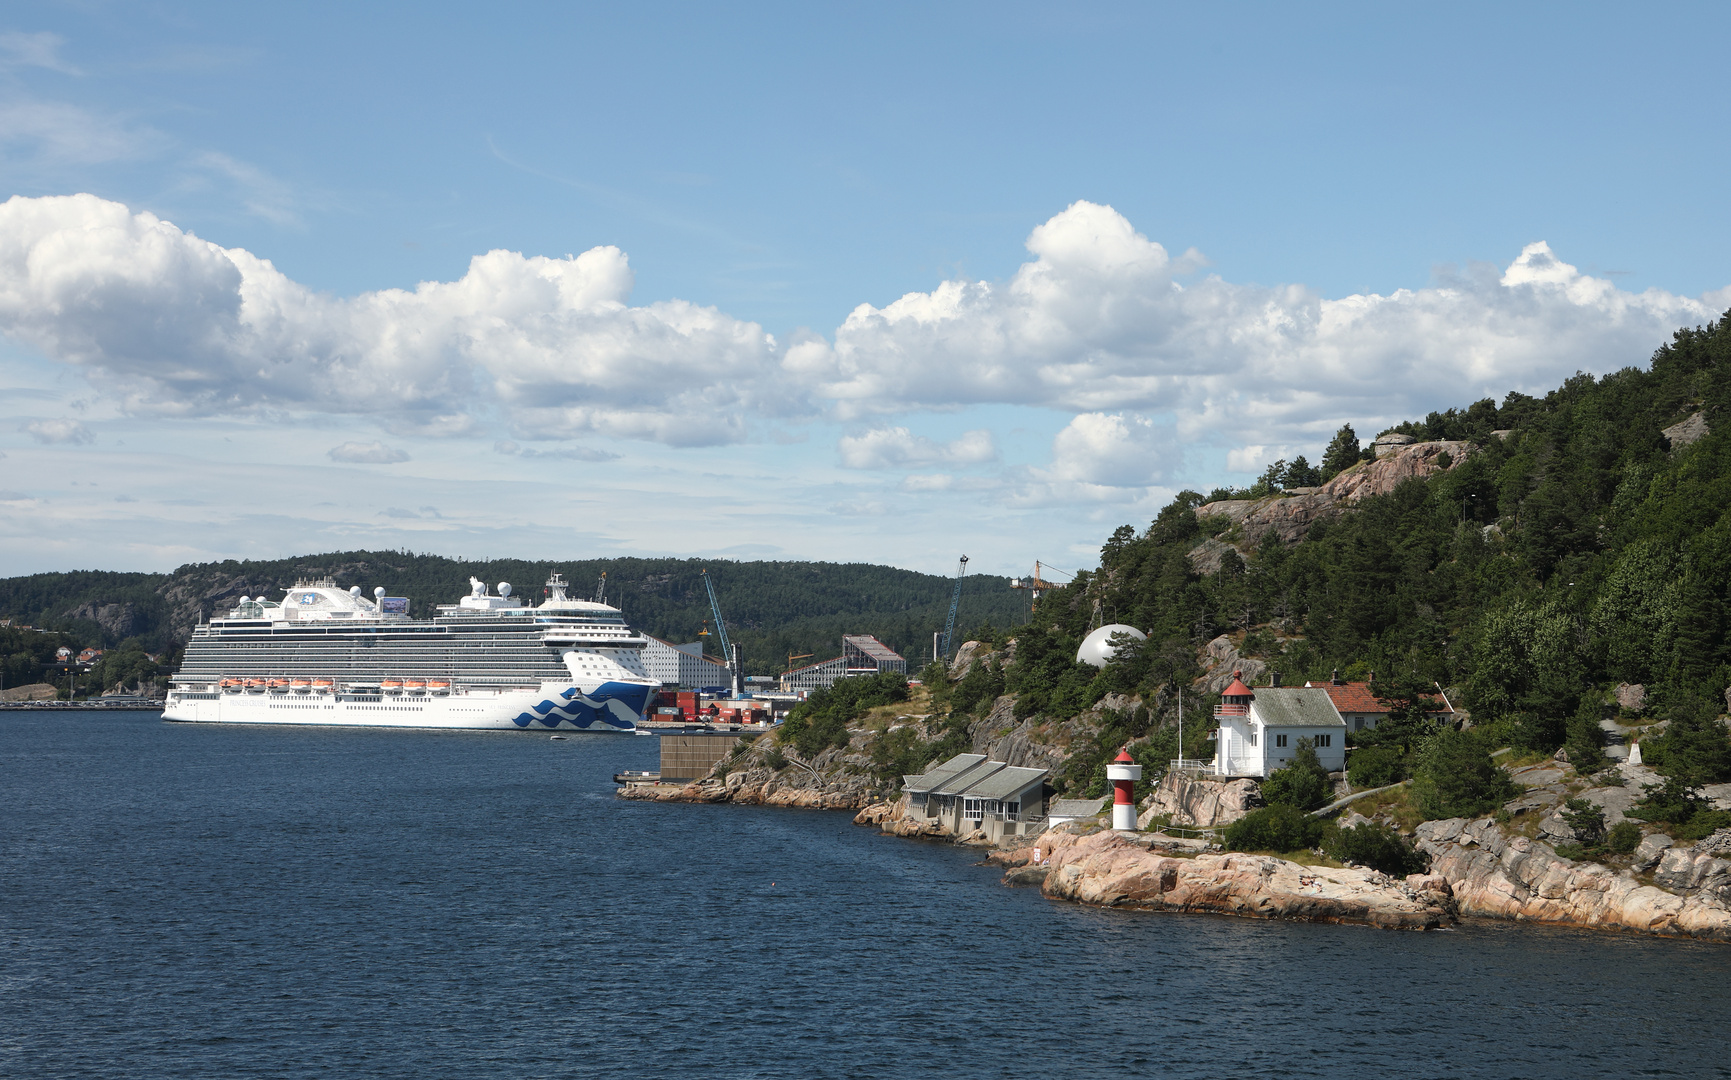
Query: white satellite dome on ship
point(1097, 648)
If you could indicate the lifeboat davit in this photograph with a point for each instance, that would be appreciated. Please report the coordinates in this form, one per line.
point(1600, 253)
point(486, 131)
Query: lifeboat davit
point(440, 687)
point(322, 686)
point(391, 686)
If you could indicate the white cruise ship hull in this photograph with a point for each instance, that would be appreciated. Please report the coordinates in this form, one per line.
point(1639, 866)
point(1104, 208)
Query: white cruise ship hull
point(610, 706)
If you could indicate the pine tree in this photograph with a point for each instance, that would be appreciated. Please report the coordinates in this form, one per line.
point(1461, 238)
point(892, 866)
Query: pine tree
point(1342, 453)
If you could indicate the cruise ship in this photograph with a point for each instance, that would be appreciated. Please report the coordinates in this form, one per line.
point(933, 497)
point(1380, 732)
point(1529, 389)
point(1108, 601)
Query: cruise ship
point(325, 655)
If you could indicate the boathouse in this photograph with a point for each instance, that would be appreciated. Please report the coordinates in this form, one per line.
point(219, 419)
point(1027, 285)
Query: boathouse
point(970, 795)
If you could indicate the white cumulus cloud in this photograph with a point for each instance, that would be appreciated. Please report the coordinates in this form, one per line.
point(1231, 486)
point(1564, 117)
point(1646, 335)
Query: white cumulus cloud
point(373, 453)
point(58, 431)
point(182, 325)
point(898, 448)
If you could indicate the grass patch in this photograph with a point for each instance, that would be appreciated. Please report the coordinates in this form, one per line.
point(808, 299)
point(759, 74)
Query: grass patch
point(1395, 805)
point(1518, 759)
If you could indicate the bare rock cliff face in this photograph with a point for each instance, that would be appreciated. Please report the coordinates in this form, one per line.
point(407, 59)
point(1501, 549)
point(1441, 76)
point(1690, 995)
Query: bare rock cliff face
point(1289, 517)
point(1104, 868)
point(834, 780)
point(1517, 878)
point(1197, 802)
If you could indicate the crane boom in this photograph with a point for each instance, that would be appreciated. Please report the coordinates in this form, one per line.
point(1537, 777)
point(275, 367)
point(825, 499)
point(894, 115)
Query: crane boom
point(735, 668)
point(950, 624)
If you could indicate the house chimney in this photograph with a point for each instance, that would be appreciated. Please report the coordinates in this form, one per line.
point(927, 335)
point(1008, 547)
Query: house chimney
point(1371, 678)
point(1274, 678)
point(1335, 678)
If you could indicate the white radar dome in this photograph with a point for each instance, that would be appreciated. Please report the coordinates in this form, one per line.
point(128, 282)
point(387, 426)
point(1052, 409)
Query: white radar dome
point(246, 599)
point(354, 590)
point(504, 588)
point(1097, 648)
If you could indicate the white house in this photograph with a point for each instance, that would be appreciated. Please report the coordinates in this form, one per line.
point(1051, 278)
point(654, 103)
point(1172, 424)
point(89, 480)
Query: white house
point(969, 794)
point(1259, 729)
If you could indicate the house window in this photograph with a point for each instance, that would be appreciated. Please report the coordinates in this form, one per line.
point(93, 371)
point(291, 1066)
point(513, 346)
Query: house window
point(1280, 740)
point(1252, 736)
point(973, 809)
point(1358, 723)
point(1325, 740)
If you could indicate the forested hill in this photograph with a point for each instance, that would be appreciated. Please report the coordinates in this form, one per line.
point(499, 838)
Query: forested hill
point(771, 608)
point(1570, 544)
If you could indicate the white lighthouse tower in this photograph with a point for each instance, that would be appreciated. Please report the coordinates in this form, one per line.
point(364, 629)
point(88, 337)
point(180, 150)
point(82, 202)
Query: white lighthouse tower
point(1124, 772)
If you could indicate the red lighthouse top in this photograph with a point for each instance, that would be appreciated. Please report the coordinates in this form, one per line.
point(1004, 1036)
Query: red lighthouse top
point(1237, 693)
point(1124, 755)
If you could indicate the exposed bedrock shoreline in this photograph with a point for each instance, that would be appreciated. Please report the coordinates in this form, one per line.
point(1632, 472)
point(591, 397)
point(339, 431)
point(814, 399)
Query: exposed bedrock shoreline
point(1105, 869)
point(1501, 877)
point(1476, 871)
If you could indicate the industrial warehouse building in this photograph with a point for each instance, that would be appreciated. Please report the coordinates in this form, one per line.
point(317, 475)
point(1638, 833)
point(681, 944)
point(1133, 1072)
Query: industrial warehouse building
point(969, 794)
point(683, 666)
point(861, 654)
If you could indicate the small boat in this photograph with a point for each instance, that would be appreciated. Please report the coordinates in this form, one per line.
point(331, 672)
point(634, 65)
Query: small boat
point(322, 686)
point(560, 738)
point(439, 687)
point(278, 686)
point(391, 686)
point(415, 686)
point(301, 686)
point(254, 686)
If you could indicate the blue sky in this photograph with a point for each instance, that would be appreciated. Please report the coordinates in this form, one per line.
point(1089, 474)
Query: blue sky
point(1109, 251)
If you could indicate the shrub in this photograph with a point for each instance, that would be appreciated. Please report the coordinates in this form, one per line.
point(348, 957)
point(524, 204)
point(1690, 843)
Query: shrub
point(1274, 828)
point(1587, 821)
point(775, 759)
point(1375, 845)
point(820, 721)
point(1624, 837)
point(1458, 779)
point(1303, 784)
point(1375, 766)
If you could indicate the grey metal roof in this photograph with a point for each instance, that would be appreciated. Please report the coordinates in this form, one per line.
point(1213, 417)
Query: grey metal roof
point(967, 778)
point(1296, 706)
point(1076, 808)
point(933, 777)
point(871, 646)
point(1008, 781)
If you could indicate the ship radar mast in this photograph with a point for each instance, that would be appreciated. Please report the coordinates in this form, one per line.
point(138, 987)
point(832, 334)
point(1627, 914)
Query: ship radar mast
point(556, 589)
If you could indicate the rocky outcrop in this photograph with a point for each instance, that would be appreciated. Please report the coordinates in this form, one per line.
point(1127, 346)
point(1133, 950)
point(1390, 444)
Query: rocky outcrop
point(1290, 516)
point(1200, 802)
point(1686, 431)
point(767, 773)
point(1223, 661)
point(1026, 743)
point(1498, 876)
point(1631, 696)
point(1105, 869)
point(116, 620)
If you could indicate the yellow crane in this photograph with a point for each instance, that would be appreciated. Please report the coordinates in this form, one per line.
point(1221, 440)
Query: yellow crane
point(802, 656)
point(1035, 584)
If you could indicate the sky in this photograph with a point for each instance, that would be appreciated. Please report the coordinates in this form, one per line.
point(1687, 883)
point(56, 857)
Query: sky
point(885, 283)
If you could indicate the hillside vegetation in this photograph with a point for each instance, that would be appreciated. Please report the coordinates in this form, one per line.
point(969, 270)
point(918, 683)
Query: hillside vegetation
point(1567, 545)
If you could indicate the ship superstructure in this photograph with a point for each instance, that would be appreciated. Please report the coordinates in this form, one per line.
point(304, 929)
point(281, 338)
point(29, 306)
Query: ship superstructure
point(323, 655)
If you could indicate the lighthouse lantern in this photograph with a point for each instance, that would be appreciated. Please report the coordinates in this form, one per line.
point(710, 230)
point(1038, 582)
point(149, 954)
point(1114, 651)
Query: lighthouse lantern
point(1124, 772)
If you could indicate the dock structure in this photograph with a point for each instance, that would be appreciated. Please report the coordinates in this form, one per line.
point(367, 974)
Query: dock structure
point(861, 654)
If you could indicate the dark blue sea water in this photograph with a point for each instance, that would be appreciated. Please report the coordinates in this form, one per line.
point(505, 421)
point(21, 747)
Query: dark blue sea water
point(275, 902)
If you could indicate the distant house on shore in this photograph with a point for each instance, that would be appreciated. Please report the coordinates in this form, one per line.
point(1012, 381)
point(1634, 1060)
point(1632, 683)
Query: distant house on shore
point(1363, 710)
point(969, 794)
point(1259, 729)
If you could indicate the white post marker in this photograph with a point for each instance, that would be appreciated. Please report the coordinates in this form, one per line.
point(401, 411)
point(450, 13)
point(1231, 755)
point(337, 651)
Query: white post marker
point(1124, 772)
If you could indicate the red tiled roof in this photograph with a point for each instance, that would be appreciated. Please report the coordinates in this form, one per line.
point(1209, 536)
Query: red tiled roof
point(1355, 697)
point(1237, 689)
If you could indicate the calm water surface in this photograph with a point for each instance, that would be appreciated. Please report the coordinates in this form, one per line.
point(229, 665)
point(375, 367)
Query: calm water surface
point(273, 902)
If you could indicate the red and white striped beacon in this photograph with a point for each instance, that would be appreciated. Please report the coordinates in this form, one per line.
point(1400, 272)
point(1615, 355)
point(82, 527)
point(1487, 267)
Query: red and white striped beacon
point(1124, 772)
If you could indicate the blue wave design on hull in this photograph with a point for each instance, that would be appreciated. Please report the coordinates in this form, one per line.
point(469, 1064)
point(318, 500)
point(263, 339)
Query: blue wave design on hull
point(613, 705)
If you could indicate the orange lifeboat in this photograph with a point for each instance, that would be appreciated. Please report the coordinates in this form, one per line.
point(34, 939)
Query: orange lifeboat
point(301, 686)
point(322, 686)
point(415, 686)
point(391, 686)
point(230, 686)
point(278, 686)
point(440, 687)
point(254, 686)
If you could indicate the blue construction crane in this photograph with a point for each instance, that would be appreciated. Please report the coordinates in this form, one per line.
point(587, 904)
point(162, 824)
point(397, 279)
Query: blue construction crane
point(950, 625)
point(735, 672)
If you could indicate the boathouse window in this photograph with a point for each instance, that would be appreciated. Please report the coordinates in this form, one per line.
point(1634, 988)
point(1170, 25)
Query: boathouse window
point(1325, 740)
point(973, 809)
point(1280, 740)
